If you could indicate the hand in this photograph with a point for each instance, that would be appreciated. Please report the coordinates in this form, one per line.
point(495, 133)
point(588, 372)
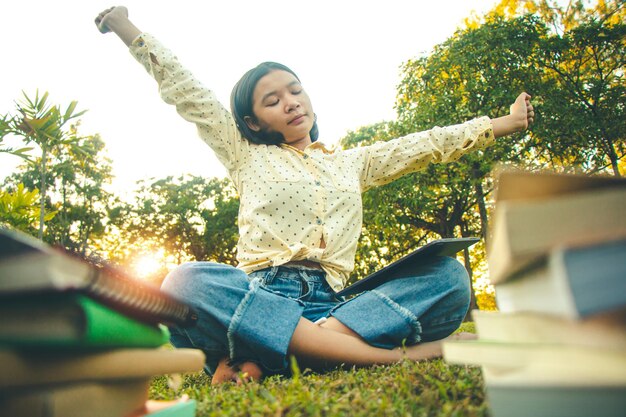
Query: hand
point(115, 19)
point(109, 14)
point(522, 112)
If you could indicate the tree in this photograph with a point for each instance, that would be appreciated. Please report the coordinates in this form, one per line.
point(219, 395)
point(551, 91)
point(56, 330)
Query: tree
point(81, 174)
point(476, 72)
point(78, 173)
point(479, 71)
point(586, 68)
point(467, 76)
point(581, 57)
point(188, 218)
point(40, 123)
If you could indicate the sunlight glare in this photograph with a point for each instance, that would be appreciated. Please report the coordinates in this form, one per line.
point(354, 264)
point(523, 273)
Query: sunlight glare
point(148, 264)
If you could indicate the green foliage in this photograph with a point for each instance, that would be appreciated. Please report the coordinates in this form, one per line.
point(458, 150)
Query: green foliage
point(20, 209)
point(37, 121)
point(5, 131)
point(425, 388)
point(486, 300)
point(473, 73)
point(580, 58)
point(571, 59)
point(586, 90)
point(189, 218)
point(366, 135)
point(77, 173)
point(429, 388)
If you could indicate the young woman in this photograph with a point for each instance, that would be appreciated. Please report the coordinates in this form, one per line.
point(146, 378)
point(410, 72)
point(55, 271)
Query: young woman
point(299, 222)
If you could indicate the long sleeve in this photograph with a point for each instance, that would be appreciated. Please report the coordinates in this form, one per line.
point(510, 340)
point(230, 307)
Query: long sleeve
point(194, 102)
point(384, 162)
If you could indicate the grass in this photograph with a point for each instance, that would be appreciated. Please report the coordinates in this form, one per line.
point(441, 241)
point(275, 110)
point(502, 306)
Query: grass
point(428, 388)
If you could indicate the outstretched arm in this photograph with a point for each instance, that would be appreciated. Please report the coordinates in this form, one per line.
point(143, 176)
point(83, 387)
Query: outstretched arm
point(177, 86)
point(522, 114)
point(115, 19)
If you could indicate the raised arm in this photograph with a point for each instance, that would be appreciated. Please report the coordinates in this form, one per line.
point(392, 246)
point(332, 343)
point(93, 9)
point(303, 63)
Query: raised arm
point(522, 114)
point(178, 87)
point(115, 19)
point(383, 162)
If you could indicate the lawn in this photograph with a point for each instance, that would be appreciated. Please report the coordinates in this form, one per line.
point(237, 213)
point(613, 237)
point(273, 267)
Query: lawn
point(428, 388)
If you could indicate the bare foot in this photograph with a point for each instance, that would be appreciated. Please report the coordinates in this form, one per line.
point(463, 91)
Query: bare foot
point(432, 350)
point(239, 374)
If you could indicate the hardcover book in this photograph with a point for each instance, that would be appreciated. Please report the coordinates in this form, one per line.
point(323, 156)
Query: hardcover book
point(536, 212)
point(572, 282)
point(600, 331)
point(540, 364)
point(35, 367)
point(555, 401)
point(93, 399)
point(70, 320)
point(28, 265)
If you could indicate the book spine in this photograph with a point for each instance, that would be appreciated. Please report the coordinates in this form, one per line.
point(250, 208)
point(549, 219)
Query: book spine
point(93, 399)
point(106, 327)
point(140, 301)
point(596, 275)
point(25, 368)
point(524, 232)
point(73, 320)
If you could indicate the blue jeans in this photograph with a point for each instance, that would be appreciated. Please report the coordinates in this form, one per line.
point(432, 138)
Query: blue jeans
point(252, 317)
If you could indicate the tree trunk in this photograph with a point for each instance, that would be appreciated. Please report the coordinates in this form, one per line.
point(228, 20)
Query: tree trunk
point(482, 207)
point(614, 159)
point(468, 266)
point(42, 200)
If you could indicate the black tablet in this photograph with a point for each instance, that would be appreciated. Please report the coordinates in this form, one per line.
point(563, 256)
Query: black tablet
point(403, 266)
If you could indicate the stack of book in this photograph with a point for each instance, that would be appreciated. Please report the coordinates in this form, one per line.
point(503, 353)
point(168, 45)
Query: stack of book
point(79, 340)
point(557, 259)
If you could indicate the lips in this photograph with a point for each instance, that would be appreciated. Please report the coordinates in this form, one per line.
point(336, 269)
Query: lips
point(296, 120)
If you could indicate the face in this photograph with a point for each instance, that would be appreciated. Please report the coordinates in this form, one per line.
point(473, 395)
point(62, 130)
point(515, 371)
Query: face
point(281, 105)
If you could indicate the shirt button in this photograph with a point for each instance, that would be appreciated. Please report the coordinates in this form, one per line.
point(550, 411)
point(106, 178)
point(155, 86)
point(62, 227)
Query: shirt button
point(318, 221)
point(305, 156)
point(318, 183)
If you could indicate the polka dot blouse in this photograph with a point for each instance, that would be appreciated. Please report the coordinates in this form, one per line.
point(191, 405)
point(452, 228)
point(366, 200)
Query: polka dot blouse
point(292, 200)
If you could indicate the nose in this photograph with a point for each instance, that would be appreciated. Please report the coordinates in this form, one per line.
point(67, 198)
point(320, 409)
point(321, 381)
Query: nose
point(292, 104)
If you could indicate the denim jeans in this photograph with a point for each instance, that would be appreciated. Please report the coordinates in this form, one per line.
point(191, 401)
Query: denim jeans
point(252, 317)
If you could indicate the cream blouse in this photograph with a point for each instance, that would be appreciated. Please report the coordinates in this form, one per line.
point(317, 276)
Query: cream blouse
point(290, 199)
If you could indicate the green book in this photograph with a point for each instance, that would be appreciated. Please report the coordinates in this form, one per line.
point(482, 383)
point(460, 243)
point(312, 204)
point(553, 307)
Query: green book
point(72, 320)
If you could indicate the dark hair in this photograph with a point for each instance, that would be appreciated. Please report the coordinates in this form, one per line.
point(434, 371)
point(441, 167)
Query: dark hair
point(241, 102)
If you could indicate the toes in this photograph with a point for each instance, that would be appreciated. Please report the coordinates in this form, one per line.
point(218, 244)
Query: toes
point(238, 374)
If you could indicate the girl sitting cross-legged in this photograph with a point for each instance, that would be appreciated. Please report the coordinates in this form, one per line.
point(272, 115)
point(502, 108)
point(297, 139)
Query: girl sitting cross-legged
point(299, 221)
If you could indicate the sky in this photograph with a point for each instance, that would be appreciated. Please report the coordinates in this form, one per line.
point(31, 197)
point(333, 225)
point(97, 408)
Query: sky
point(347, 53)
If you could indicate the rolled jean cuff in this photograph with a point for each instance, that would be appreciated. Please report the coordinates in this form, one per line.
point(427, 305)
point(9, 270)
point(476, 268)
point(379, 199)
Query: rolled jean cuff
point(262, 327)
point(399, 325)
